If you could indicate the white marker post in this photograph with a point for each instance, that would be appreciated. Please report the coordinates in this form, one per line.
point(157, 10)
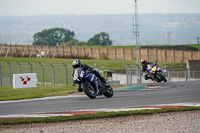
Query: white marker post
point(24, 80)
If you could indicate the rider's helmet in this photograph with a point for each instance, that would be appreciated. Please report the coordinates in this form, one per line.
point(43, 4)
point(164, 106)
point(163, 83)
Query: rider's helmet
point(143, 62)
point(76, 63)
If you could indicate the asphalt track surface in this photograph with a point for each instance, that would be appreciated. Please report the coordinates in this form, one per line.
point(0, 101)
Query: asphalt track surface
point(158, 93)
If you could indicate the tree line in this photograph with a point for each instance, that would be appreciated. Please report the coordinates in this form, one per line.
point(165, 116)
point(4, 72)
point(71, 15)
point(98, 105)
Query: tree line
point(65, 37)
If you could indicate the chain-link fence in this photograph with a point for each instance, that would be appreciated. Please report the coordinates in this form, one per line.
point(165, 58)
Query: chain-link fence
point(60, 74)
point(135, 75)
point(47, 74)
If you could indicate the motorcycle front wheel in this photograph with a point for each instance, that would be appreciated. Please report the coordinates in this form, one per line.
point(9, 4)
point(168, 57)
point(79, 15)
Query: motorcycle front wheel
point(88, 90)
point(162, 77)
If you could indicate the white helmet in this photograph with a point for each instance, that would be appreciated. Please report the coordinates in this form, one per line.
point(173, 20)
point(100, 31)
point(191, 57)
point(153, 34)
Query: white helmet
point(76, 63)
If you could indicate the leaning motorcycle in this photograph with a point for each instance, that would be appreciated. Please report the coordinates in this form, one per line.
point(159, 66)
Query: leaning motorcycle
point(84, 78)
point(155, 72)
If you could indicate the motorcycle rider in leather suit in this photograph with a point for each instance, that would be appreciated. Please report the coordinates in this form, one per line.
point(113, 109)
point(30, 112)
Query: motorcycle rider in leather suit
point(144, 65)
point(77, 63)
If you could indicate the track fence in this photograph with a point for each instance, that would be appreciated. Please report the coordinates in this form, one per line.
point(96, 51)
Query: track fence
point(134, 75)
point(47, 74)
point(60, 74)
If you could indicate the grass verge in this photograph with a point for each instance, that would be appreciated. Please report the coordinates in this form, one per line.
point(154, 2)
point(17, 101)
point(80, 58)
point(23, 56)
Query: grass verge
point(95, 116)
point(104, 64)
point(195, 46)
point(8, 93)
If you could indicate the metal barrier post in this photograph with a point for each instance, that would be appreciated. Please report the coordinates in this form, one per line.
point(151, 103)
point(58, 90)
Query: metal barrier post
point(188, 70)
point(139, 77)
point(42, 73)
point(54, 74)
point(66, 73)
point(31, 67)
point(168, 73)
point(128, 73)
point(10, 73)
point(130, 69)
point(20, 68)
point(186, 73)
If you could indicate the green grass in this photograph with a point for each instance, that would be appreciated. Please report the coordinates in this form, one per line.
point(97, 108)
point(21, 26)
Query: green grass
point(8, 93)
point(37, 60)
point(128, 47)
point(104, 64)
point(156, 45)
point(134, 46)
point(195, 45)
point(191, 45)
point(94, 116)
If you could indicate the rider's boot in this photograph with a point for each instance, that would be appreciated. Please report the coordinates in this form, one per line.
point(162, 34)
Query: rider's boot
point(104, 82)
point(101, 78)
point(149, 78)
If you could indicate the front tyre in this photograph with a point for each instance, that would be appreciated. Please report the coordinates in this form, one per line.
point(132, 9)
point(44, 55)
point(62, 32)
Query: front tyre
point(164, 79)
point(88, 90)
point(161, 77)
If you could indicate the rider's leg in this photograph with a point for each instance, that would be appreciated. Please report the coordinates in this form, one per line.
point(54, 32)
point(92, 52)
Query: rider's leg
point(103, 80)
point(146, 77)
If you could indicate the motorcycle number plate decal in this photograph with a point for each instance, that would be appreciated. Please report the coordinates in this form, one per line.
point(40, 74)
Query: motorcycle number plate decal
point(82, 74)
point(154, 68)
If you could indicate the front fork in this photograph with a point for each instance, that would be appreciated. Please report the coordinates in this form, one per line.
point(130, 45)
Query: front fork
point(94, 84)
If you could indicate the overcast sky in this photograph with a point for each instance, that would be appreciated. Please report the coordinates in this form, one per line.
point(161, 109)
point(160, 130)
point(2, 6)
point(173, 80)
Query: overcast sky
point(92, 7)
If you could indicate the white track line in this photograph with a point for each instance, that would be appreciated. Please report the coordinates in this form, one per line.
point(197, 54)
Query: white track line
point(158, 106)
point(38, 99)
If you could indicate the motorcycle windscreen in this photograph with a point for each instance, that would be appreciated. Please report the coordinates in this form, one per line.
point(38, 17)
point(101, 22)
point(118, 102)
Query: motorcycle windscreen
point(77, 74)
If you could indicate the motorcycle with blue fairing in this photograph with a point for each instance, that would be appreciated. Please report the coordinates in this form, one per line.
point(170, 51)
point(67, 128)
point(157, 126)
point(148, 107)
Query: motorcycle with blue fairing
point(91, 84)
point(155, 72)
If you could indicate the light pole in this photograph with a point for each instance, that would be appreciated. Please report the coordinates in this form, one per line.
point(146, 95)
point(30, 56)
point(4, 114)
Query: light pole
point(197, 40)
point(137, 35)
point(169, 38)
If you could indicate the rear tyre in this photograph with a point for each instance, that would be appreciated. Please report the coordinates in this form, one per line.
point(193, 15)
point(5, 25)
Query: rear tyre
point(108, 92)
point(88, 90)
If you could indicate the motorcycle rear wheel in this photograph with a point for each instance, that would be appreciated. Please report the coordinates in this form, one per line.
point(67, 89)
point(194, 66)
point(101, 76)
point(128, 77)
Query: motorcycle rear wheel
point(108, 92)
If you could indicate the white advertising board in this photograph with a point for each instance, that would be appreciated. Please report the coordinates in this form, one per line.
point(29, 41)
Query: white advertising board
point(24, 80)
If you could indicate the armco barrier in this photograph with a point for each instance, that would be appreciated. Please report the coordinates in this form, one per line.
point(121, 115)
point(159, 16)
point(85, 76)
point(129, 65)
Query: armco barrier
point(97, 53)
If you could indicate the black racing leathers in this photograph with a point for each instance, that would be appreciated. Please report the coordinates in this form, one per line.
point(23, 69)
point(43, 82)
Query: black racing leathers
point(90, 69)
point(145, 71)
